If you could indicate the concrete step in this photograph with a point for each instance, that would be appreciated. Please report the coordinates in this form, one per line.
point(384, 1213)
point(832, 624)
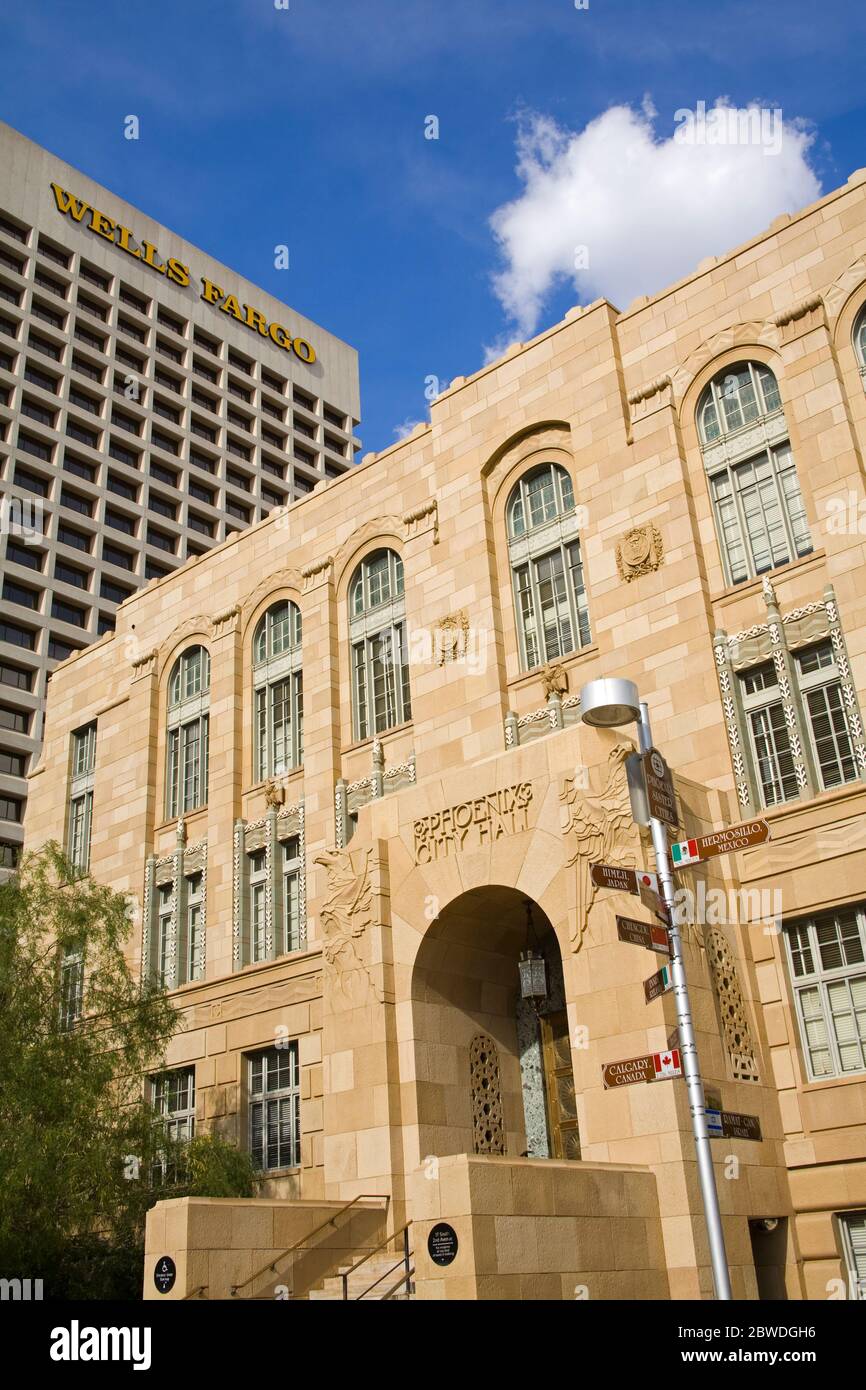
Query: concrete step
point(378, 1270)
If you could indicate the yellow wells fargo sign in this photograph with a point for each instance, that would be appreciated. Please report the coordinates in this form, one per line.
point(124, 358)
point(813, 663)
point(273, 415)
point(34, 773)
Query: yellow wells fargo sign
point(180, 274)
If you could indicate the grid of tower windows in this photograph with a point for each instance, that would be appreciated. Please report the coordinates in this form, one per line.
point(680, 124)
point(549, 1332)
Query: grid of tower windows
point(117, 418)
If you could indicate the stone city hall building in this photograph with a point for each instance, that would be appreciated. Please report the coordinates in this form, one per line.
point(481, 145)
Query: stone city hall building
point(339, 764)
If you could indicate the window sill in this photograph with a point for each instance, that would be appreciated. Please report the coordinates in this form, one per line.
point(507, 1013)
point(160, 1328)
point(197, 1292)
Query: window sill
point(288, 958)
point(385, 737)
point(572, 659)
point(754, 586)
point(188, 818)
point(857, 787)
point(282, 779)
point(827, 1082)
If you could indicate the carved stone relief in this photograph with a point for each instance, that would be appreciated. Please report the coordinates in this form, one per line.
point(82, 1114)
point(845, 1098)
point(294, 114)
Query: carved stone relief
point(451, 636)
point(347, 917)
point(598, 830)
point(641, 551)
point(554, 680)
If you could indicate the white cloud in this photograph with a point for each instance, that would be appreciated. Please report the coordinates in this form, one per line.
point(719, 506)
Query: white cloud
point(405, 429)
point(620, 212)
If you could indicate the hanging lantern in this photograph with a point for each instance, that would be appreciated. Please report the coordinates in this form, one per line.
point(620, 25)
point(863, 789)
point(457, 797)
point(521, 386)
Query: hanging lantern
point(532, 966)
point(533, 976)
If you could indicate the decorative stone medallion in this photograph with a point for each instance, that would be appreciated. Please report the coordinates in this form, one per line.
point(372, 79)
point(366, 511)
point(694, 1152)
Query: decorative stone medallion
point(640, 552)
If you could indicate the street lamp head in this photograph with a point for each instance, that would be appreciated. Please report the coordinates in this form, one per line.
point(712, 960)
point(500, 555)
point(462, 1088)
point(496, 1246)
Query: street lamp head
point(609, 702)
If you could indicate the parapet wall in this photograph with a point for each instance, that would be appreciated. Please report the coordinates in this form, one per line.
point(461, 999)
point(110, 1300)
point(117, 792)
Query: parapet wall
point(539, 1229)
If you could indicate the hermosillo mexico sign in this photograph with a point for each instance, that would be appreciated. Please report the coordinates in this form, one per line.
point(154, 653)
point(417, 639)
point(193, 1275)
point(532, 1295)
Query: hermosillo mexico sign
point(178, 273)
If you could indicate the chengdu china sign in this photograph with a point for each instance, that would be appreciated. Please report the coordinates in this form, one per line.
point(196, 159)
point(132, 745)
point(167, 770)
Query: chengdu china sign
point(178, 273)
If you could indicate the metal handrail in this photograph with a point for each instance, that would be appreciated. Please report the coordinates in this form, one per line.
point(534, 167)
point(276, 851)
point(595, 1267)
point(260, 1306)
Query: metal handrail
point(404, 1232)
point(382, 1243)
point(404, 1279)
point(272, 1264)
point(194, 1293)
point(377, 1282)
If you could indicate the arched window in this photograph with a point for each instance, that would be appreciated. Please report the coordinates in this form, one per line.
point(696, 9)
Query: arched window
point(188, 702)
point(860, 342)
point(758, 506)
point(377, 633)
point(546, 566)
point(278, 691)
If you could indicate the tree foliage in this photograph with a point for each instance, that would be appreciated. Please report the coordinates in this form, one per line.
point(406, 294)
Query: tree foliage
point(81, 1158)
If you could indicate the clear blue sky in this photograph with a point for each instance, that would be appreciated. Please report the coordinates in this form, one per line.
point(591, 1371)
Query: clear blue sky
point(306, 126)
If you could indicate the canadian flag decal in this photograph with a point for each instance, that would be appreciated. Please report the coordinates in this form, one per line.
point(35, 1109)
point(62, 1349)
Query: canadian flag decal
point(667, 1063)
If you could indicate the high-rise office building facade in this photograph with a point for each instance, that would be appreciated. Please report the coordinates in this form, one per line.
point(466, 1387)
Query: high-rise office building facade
point(152, 402)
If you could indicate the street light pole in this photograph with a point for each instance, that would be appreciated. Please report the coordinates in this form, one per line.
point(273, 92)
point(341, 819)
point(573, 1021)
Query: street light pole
point(609, 703)
point(688, 1047)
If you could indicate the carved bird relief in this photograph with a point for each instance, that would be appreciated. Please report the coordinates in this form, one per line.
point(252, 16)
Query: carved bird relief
point(601, 826)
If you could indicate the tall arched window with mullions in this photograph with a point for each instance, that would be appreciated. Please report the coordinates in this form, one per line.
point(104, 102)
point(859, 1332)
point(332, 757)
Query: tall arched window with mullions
point(278, 691)
point(760, 516)
point(546, 566)
point(188, 703)
point(377, 634)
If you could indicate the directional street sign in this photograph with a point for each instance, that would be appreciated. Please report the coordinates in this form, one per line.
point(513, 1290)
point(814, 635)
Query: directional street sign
point(727, 841)
point(660, 787)
point(628, 1072)
point(622, 879)
point(674, 1037)
point(736, 1126)
point(646, 934)
point(655, 1066)
point(658, 984)
point(653, 900)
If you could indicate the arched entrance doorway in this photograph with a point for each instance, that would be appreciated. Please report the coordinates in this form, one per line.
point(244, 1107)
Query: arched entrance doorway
point(493, 1071)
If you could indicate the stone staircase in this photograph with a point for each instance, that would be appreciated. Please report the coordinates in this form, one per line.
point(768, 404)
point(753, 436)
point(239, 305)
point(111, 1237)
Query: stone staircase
point(379, 1271)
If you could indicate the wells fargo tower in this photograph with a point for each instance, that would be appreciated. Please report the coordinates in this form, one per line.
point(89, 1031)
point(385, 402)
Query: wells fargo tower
point(152, 403)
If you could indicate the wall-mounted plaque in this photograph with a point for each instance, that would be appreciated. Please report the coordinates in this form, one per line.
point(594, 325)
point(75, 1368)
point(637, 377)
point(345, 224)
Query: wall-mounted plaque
point(442, 1244)
point(165, 1274)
